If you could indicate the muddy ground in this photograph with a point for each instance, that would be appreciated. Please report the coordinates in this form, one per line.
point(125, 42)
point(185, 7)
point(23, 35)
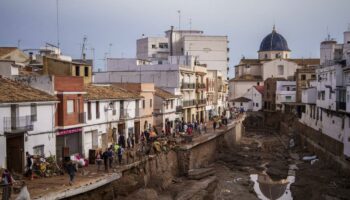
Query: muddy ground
point(257, 153)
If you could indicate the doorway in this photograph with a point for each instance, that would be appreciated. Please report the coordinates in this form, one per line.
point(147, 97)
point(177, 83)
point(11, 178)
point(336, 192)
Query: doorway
point(137, 132)
point(15, 153)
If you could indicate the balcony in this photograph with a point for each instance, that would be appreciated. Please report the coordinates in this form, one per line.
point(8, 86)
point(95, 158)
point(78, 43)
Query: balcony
point(137, 112)
point(18, 124)
point(189, 103)
point(201, 102)
point(200, 86)
point(124, 114)
point(82, 118)
point(221, 88)
point(188, 86)
point(179, 109)
point(341, 105)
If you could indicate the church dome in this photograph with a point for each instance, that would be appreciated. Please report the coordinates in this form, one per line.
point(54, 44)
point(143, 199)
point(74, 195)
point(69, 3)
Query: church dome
point(274, 42)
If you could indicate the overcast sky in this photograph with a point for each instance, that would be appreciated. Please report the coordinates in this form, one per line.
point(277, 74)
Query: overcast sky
point(303, 23)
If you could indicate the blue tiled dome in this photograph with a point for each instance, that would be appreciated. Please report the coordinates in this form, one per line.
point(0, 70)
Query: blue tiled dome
point(274, 42)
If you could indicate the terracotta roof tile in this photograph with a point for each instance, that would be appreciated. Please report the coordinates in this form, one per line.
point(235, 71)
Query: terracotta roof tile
point(260, 89)
point(99, 92)
point(164, 94)
point(6, 50)
point(306, 61)
point(12, 91)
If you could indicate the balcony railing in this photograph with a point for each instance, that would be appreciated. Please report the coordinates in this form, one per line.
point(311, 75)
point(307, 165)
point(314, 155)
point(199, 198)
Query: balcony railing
point(221, 88)
point(124, 114)
point(189, 103)
point(18, 124)
point(200, 85)
point(179, 109)
point(341, 105)
point(201, 102)
point(188, 86)
point(82, 118)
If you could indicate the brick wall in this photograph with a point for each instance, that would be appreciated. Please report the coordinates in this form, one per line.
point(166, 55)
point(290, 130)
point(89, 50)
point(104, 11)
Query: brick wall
point(69, 84)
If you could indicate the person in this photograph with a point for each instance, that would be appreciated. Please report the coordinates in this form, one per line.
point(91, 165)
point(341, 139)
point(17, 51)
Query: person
point(99, 160)
point(29, 166)
point(71, 169)
point(185, 128)
point(7, 182)
point(132, 141)
point(120, 154)
point(146, 135)
point(128, 141)
point(105, 160)
point(121, 141)
point(200, 128)
point(23, 194)
point(110, 157)
point(205, 127)
point(214, 125)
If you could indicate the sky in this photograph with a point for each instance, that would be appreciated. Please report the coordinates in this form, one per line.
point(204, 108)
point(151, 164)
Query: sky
point(304, 24)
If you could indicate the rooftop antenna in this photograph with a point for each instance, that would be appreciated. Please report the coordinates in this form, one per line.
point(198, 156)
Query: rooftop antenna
point(179, 12)
point(57, 25)
point(83, 48)
point(105, 59)
point(110, 49)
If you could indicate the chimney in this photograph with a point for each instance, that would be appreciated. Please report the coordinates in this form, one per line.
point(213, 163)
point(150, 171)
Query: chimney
point(30, 56)
point(171, 40)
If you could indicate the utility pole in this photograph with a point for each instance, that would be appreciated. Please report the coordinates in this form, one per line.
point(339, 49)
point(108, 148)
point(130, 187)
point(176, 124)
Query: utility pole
point(83, 48)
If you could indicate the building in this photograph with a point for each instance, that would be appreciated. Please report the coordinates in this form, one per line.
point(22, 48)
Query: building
point(285, 94)
point(274, 61)
point(242, 103)
point(210, 50)
point(14, 54)
point(110, 112)
point(181, 75)
point(269, 97)
point(327, 98)
point(251, 100)
point(27, 124)
point(9, 68)
point(167, 110)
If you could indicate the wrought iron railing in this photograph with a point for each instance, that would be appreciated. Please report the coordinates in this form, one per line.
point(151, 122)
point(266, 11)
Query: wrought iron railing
point(18, 124)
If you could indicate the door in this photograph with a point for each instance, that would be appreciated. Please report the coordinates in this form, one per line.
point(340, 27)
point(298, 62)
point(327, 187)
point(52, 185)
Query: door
point(15, 153)
point(87, 143)
point(137, 132)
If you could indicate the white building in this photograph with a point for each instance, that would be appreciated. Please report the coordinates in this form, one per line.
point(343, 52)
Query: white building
point(327, 99)
point(27, 124)
point(255, 95)
point(167, 109)
point(285, 93)
point(273, 62)
point(9, 68)
point(242, 103)
point(208, 49)
point(110, 112)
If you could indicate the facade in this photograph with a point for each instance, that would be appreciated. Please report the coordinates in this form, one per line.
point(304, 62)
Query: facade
point(110, 112)
point(27, 124)
point(243, 103)
point(269, 97)
point(14, 54)
point(285, 93)
point(8, 68)
point(167, 110)
point(255, 94)
point(302, 77)
point(327, 98)
point(274, 61)
point(209, 50)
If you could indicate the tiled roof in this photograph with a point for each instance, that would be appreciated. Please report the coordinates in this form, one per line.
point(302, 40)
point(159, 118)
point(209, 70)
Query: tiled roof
point(241, 99)
point(99, 92)
point(306, 61)
point(260, 89)
point(247, 77)
point(164, 94)
point(250, 61)
point(6, 50)
point(12, 91)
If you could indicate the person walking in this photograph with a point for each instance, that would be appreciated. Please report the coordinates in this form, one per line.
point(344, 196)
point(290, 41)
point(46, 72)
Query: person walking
point(71, 169)
point(120, 155)
point(29, 166)
point(110, 157)
point(214, 125)
point(7, 185)
point(200, 128)
point(99, 160)
point(121, 141)
point(105, 160)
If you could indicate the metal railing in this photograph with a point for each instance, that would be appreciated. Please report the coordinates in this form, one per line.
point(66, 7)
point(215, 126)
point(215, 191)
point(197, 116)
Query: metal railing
point(201, 102)
point(179, 109)
point(189, 103)
point(18, 124)
point(188, 86)
point(200, 85)
point(341, 105)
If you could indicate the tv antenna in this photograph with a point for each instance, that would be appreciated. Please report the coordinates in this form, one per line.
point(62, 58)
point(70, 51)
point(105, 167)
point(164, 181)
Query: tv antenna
point(83, 48)
point(57, 25)
point(179, 12)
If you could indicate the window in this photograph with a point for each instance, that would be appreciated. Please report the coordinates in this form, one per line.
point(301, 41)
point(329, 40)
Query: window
point(172, 104)
point(265, 56)
point(39, 150)
point(89, 110)
point(97, 110)
point(33, 112)
point(280, 69)
point(288, 88)
point(143, 103)
point(77, 71)
point(150, 103)
point(256, 104)
point(258, 83)
point(154, 46)
point(313, 76)
point(303, 77)
point(163, 45)
point(278, 55)
point(86, 71)
point(70, 106)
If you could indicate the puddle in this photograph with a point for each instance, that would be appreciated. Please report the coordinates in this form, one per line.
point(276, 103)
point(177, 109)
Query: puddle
point(268, 189)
